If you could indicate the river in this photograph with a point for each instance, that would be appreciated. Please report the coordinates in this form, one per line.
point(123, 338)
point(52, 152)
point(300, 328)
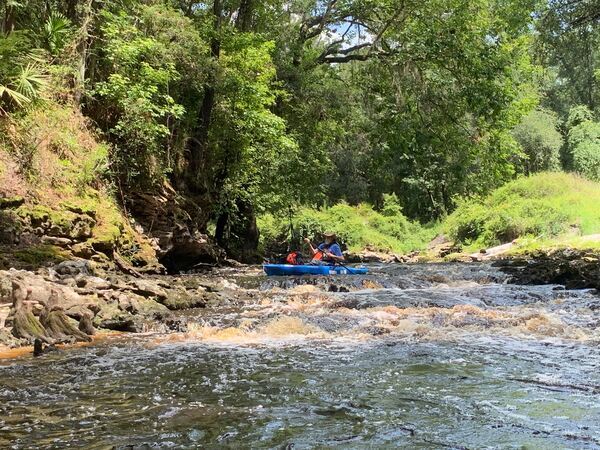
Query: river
point(412, 356)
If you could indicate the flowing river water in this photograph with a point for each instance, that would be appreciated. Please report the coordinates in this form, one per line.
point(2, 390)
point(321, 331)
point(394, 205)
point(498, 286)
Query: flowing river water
point(413, 356)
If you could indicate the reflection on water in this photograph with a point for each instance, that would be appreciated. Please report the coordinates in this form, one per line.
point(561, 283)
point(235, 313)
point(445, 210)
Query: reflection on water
point(440, 356)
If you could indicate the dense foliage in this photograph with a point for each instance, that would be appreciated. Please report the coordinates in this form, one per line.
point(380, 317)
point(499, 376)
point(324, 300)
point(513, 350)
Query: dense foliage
point(542, 206)
point(357, 227)
point(540, 141)
point(260, 108)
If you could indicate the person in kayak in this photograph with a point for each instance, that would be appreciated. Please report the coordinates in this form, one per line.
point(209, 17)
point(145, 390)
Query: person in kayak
point(328, 252)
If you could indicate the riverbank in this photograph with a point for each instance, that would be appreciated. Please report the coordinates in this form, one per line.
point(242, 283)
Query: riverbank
point(74, 300)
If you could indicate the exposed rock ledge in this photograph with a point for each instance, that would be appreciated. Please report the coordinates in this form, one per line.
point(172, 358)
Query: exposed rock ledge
point(70, 301)
point(575, 269)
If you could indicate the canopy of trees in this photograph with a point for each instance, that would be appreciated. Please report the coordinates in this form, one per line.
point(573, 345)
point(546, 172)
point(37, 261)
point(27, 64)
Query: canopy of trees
point(251, 106)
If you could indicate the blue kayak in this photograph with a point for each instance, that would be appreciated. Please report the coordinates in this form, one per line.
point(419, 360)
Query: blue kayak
point(288, 269)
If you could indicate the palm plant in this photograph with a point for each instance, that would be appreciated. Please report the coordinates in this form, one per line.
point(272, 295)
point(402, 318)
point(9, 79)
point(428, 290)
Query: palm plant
point(22, 71)
point(11, 96)
point(56, 33)
point(23, 87)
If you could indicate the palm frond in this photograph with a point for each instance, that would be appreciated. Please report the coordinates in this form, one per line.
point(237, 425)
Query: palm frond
point(13, 96)
point(30, 81)
point(56, 32)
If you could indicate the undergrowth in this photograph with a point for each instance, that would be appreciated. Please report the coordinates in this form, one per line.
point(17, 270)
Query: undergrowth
point(539, 208)
point(357, 227)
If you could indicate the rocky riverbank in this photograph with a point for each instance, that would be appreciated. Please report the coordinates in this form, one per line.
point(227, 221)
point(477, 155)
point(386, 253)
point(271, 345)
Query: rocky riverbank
point(71, 301)
point(575, 269)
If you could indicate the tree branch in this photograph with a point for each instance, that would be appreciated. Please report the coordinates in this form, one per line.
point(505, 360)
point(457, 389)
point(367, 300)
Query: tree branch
point(318, 22)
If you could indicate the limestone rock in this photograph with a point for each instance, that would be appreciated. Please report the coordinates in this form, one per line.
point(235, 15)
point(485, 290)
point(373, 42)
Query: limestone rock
point(58, 241)
point(74, 267)
point(147, 288)
point(83, 250)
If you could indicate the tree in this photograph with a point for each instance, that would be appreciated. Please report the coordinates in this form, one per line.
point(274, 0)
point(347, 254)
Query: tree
point(140, 96)
point(540, 141)
point(567, 43)
point(584, 143)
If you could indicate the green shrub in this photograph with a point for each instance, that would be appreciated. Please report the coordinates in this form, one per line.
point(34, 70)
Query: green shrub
point(586, 159)
point(540, 140)
point(584, 142)
point(544, 205)
point(358, 228)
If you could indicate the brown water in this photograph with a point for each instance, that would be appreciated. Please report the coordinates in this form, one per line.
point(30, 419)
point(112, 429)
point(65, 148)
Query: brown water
point(423, 356)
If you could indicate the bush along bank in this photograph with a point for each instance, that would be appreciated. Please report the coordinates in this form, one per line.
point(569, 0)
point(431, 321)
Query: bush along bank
point(541, 208)
point(360, 229)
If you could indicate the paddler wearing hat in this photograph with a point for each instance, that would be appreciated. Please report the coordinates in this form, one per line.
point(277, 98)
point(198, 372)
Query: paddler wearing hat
point(328, 252)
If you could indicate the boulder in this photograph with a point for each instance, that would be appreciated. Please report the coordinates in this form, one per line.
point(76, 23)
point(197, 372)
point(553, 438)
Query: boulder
point(147, 288)
point(437, 241)
point(82, 228)
point(182, 299)
point(91, 283)
point(73, 268)
point(10, 228)
point(83, 250)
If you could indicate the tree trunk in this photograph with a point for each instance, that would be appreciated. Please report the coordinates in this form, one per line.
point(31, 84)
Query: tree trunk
point(83, 45)
point(250, 233)
point(243, 21)
point(8, 22)
point(220, 230)
point(71, 10)
point(199, 142)
point(57, 325)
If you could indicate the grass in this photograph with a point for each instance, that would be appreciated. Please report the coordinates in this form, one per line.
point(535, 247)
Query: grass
point(542, 208)
point(528, 246)
point(544, 211)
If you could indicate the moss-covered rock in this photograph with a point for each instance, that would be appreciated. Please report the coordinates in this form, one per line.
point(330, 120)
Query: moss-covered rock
point(10, 227)
point(11, 202)
point(37, 256)
point(178, 299)
point(80, 206)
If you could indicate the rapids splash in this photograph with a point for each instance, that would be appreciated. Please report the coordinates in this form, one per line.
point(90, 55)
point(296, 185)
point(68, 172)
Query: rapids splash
point(418, 356)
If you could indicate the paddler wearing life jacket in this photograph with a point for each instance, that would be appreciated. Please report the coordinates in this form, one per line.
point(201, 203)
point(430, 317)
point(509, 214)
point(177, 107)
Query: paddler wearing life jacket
point(328, 252)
